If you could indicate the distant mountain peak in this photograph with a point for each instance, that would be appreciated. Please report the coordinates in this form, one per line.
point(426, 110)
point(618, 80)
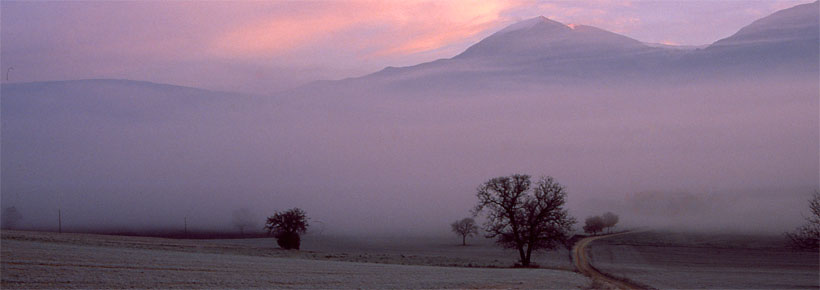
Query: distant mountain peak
point(531, 23)
point(542, 38)
point(796, 23)
point(785, 41)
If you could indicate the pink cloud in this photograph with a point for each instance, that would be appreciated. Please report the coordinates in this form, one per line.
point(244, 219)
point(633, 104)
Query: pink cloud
point(282, 33)
point(438, 24)
point(383, 28)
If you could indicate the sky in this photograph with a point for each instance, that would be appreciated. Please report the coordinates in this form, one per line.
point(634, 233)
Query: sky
point(265, 47)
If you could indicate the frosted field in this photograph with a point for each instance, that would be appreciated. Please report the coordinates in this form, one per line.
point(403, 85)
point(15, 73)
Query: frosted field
point(428, 251)
point(668, 260)
point(48, 260)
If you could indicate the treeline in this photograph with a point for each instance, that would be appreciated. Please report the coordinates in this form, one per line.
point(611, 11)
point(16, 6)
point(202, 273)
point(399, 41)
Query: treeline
point(596, 224)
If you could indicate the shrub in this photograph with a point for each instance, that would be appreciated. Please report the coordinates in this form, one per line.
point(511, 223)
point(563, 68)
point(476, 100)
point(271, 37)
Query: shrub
point(287, 226)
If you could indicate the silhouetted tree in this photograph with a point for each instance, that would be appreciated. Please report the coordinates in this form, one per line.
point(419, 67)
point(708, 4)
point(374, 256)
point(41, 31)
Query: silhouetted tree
point(287, 226)
point(465, 228)
point(594, 224)
point(524, 219)
point(610, 220)
point(11, 216)
point(243, 218)
point(808, 235)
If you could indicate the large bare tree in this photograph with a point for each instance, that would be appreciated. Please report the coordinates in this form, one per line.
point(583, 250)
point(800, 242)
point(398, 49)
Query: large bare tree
point(522, 218)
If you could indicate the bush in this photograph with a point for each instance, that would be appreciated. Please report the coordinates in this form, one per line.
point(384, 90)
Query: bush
point(289, 241)
point(287, 226)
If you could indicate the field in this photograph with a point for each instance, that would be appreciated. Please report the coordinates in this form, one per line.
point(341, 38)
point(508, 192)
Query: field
point(669, 260)
point(50, 260)
point(664, 260)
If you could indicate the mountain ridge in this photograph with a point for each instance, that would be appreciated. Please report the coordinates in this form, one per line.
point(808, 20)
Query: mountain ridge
point(796, 22)
point(541, 38)
point(543, 49)
point(540, 49)
point(114, 81)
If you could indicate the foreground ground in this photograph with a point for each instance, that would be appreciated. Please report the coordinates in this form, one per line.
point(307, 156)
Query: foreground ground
point(49, 260)
point(669, 260)
point(664, 260)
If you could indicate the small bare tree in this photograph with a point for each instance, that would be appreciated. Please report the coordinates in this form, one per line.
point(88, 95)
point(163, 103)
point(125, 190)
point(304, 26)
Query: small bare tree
point(465, 228)
point(808, 235)
point(243, 219)
point(610, 220)
point(593, 224)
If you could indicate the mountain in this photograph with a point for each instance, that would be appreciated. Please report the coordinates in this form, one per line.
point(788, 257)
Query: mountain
point(543, 39)
point(123, 99)
point(785, 41)
point(543, 50)
point(798, 24)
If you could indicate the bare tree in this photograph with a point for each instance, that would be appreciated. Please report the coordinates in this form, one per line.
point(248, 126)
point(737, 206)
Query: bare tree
point(10, 217)
point(808, 235)
point(610, 220)
point(243, 219)
point(287, 226)
point(524, 219)
point(594, 224)
point(466, 227)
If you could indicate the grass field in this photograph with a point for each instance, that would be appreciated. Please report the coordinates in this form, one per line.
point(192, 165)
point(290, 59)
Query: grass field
point(665, 260)
point(49, 260)
point(669, 260)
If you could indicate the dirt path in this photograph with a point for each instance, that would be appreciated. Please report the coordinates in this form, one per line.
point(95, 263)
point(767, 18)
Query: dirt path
point(581, 262)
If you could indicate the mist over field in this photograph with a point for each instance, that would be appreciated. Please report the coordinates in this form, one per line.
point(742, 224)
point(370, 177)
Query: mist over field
point(404, 164)
point(666, 138)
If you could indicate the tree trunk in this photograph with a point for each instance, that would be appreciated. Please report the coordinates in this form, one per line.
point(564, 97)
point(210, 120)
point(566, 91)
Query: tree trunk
point(524, 261)
point(529, 255)
point(464, 240)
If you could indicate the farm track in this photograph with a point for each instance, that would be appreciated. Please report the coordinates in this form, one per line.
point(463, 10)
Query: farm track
point(581, 261)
